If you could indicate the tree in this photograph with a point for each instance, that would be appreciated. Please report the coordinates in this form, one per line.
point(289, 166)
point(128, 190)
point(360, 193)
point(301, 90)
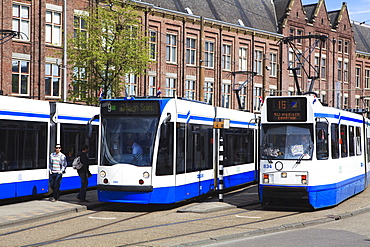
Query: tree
point(108, 44)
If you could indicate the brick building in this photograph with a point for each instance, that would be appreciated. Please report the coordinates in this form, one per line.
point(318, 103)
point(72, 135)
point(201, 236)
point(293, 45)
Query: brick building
point(203, 50)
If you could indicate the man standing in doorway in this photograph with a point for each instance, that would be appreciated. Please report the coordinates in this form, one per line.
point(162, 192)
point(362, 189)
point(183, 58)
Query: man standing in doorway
point(57, 167)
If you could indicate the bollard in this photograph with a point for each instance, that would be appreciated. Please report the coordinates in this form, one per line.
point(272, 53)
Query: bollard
point(221, 170)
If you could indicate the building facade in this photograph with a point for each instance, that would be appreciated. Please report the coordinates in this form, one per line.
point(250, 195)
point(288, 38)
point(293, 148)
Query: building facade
point(210, 51)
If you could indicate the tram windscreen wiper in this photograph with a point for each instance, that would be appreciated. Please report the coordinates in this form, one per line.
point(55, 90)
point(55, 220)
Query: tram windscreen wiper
point(304, 153)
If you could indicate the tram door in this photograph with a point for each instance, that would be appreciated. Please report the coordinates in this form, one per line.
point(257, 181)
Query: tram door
point(194, 162)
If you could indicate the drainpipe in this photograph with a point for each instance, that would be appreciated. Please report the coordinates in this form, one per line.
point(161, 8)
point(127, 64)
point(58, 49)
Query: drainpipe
point(65, 51)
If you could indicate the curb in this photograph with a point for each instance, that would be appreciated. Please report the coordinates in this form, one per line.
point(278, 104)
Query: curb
point(281, 228)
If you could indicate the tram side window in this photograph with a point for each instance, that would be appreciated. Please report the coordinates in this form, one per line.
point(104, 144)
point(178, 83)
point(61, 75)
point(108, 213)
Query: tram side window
point(199, 148)
point(334, 141)
point(165, 151)
point(322, 149)
point(358, 141)
point(23, 145)
point(343, 141)
point(238, 146)
point(180, 148)
point(73, 137)
point(351, 140)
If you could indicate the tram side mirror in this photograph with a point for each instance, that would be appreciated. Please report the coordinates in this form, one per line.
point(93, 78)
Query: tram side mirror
point(89, 126)
point(164, 128)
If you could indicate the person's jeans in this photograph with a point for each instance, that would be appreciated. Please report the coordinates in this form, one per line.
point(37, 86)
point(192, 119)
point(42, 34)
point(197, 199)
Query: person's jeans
point(84, 182)
point(54, 182)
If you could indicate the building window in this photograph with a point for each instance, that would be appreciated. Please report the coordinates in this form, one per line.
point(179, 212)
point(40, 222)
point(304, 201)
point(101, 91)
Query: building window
point(243, 97)
point(209, 54)
point(323, 98)
point(190, 51)
point(20, 77)
point(190, 89)
point(345, 71)
point(225, 95)
point(153, 44)
point(258, 62)
point(152, 88)
point(367, 78)
point(273, 64)
point(295, 62)
point(346, 47)
point(53, 27)
point(357, 103)
point(340, 46)
point(21, 21)
point(208, 92)
point(170, 87)
point(340, 67)
point(226, 57)
point(358, 77)
point(316, 65)
point(79, 25)
point(257, 98)
point(323, 68)
point(345, 102)
point(131, 83)
point(79, 82)
point(171, 48)
point(52, 80)
point(299, 33)
point(243, 59)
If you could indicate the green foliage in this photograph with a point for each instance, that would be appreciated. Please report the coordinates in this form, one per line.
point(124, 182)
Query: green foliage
point(109, 44)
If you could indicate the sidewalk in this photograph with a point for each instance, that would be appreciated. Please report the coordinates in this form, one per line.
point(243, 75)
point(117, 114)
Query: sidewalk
point(24, 212)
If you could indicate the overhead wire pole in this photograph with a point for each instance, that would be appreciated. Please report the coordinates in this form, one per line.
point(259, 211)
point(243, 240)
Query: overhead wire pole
point(300, 58)
point(238, 87)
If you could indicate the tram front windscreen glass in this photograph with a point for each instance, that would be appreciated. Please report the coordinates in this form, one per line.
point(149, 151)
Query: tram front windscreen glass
point(285, 142)
point(128, 132)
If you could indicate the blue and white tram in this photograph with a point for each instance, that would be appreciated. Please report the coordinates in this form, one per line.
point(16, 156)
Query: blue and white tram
point(311, 155)
point(69, 128)
point(24, 147)
point(29, 130)
point(179, 157)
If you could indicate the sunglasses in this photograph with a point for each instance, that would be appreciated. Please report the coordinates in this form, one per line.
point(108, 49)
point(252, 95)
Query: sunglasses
point(58, 147)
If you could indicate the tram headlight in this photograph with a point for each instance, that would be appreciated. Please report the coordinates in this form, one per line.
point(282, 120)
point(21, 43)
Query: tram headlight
point(146, 175)
point(103, 174)
point(266, 179)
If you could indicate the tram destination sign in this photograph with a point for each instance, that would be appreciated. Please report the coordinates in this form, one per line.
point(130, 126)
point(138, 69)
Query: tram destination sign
point(130, 108)
point(292, 109)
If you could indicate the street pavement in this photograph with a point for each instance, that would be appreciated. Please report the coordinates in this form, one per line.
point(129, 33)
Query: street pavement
point(29, 211)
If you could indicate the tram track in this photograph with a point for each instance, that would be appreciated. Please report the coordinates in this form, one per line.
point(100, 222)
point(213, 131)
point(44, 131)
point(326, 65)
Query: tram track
point(84, 234)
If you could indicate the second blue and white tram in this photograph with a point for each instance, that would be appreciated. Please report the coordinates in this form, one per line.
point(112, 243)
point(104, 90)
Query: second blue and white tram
point(311, 155)
point(178, 155)
point(29, 130)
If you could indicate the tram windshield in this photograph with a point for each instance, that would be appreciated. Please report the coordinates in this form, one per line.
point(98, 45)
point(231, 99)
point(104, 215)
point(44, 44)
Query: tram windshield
point(128, 140)
point(286, 142)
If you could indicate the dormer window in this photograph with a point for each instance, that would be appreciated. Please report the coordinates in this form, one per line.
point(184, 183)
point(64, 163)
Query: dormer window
point(188, 10)
point(241, 23)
